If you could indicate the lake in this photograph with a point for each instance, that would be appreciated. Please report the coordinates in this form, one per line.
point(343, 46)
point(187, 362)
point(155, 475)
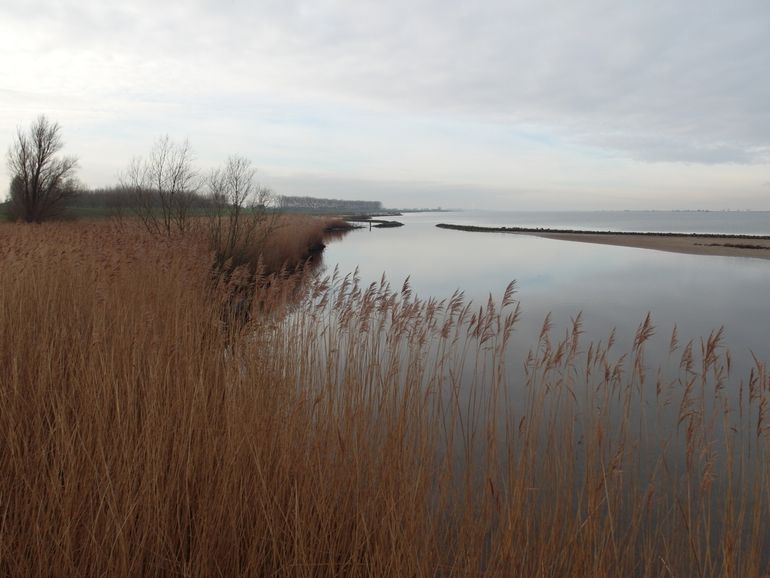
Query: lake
point(613, 287)
point(686, 426)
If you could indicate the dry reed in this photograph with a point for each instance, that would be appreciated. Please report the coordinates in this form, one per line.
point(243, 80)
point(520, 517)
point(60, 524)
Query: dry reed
point(349, 430)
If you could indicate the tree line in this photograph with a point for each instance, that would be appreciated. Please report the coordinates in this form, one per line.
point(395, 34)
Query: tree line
point(163, 189)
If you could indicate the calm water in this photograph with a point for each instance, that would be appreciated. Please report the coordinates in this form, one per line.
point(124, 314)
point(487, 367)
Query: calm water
point(614, 287)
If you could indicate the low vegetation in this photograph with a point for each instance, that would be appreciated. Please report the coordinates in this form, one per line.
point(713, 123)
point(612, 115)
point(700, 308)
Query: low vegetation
point(347, 429)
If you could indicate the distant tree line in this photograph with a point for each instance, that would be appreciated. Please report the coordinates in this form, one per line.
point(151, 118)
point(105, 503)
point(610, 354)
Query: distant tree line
point(313, 203)
point(120, 198)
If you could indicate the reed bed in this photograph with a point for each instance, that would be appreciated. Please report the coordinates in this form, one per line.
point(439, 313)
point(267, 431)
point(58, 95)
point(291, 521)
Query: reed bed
point(342, 429)
point(268, 242)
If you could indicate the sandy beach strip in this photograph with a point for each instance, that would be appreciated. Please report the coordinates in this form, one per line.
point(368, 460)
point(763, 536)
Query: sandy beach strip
point(723, 245)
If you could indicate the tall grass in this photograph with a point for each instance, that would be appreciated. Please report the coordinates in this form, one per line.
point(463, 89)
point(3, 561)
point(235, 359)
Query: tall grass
point(348, 429)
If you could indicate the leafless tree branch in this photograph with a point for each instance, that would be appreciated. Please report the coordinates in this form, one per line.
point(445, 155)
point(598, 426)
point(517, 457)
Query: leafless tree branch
point(163, 187)
point(239, 218)
point(41, 182)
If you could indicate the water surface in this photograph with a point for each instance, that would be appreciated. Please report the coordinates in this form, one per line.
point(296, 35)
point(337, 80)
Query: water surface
point(613, 287)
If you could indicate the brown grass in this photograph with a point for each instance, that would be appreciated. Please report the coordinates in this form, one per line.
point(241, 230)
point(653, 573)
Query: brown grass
point(349, 430)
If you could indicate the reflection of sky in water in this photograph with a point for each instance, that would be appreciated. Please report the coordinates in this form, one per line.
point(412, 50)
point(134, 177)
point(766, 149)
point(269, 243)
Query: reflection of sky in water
point(612, 286)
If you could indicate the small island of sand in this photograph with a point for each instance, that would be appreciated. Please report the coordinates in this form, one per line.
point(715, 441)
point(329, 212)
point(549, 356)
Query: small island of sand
point(698, 244)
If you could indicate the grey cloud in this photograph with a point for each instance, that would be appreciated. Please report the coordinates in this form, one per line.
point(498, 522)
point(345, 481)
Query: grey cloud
point(662, 148)
point(679, 81)
point(656, 81)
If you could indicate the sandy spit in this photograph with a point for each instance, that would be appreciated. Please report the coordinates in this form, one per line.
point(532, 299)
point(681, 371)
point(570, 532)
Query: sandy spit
point(757, 247)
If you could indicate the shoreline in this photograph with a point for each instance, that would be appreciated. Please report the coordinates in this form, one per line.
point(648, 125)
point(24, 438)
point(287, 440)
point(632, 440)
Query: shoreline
point(723, 245)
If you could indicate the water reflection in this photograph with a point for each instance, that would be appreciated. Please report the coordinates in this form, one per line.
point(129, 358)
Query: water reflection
point(581, 425)
point(614, 287)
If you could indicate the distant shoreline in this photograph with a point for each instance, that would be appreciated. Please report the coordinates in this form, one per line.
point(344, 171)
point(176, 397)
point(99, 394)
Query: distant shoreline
point(757, 246)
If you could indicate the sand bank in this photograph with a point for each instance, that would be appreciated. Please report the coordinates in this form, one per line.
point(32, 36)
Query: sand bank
point(723, 245)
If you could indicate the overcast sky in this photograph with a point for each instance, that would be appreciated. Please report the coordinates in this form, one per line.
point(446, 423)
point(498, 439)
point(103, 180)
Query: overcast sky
point(532, 104)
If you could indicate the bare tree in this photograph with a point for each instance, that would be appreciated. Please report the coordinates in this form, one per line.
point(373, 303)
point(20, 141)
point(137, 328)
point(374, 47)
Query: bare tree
point(239, 218)
point(163, 187)
point(41, 181)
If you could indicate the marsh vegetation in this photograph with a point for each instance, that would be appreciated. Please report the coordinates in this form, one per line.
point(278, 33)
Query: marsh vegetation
point(351, 429)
